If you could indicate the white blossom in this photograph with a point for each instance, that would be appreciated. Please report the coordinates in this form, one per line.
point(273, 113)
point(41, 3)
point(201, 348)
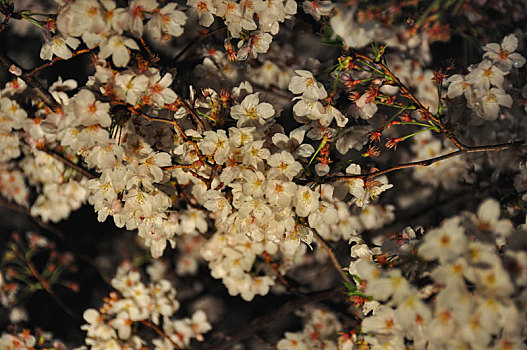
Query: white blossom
point(118, 47)
point(306, 85)
point(251, 111)
point(58, 46)
point(503, 55)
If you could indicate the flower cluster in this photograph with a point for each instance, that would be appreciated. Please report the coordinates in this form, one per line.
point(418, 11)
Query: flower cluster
point(12, 117)
point(103, 24)
point(319, 332)
point(262, 156)
point(153, 305)
point(483, 86)
point(26, 340)
point(471, 300)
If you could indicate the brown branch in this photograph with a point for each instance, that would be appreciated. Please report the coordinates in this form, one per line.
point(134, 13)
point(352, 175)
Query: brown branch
point(137, 112)
point(55, 60)
point(332, 256)
point(213, 173)
point(68, 162)
point(171, 122)
point(179, 166)
point(194, 115)
point(161, 333)
point(4, 23)
point(204, 180)
point(41, 91)
point(190, 201)
point(268, 319)
point(272, 90)
point(186, 48)
point(212, 32)
point(188, 168)
point(188, 140)
point(152, 58)
point(427, 162)
point(191, 43)
point(276, 270)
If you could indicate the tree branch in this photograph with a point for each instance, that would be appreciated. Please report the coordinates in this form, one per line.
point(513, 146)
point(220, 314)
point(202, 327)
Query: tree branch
point(408, 94)
point(160, 332)
point(332, 256)
point(47, 287)
point(55, 60)
point(427, 162)
point(69, 163)
point(4, 23)
point(41, 91)
point(268, 319)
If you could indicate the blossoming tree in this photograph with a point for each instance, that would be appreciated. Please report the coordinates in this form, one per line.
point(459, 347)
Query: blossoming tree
point(346, 161)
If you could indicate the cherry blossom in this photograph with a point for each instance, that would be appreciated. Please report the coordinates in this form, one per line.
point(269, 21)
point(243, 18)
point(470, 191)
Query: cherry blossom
point(204, 10)
point(117, 46)
point(251, 111)
point(486, 74)
point(58, 46)
point(159, 89)
point(257, 158)
point(131, 87)
point(306, 201)
point(283, 164)
point(504, 54)
point(137, 10)
point(355, 35)
point(491, 102)
point(318, 8)
point(444, 243)
point(167, 20)
point(306, 85)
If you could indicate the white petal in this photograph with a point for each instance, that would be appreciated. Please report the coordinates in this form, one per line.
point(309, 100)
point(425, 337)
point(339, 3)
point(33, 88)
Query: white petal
point(510, 43)
point(489, 210)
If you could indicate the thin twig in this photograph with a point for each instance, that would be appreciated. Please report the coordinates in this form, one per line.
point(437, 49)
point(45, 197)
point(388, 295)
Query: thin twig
point(194, 115)
point(4, 23)
point(171, 122)
point(41, 91)
point(188, 140)
point(191, 43)
point(47, 287)
point(280, 276)
point(427, 162)
point(69, 163)
point(273, 91)
point(152, 58)
point(408, 94)
point(179, 166)
point(160, 332)
point(332, 256)
point(50, 228)
point(187, 47)
point(55, 60)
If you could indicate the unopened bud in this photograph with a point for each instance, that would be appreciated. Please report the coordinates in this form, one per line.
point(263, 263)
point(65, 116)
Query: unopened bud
point(15, 70)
